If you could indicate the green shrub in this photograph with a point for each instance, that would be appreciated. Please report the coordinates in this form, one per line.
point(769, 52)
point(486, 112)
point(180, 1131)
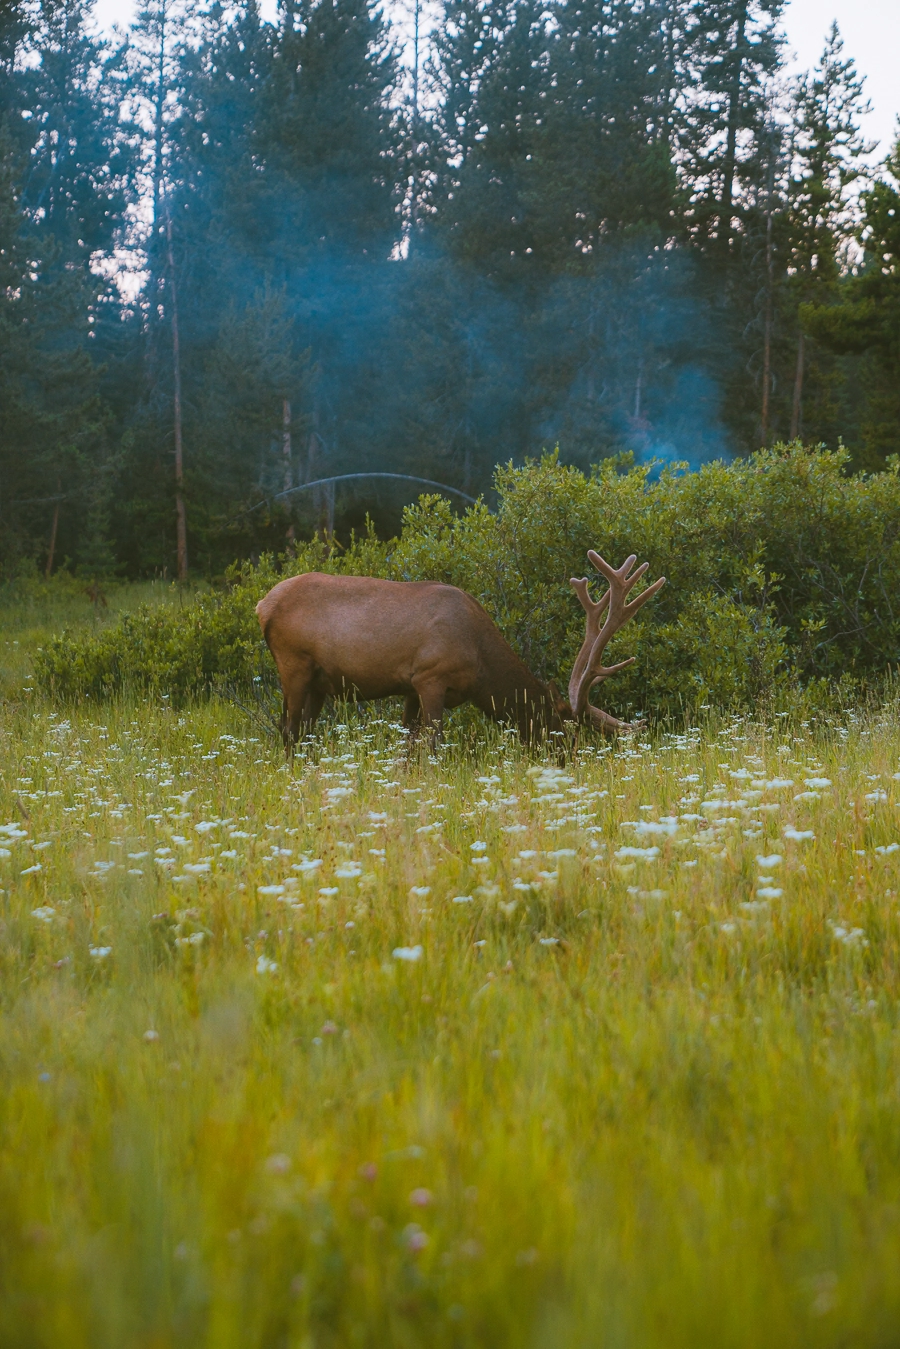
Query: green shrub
point(783, 570)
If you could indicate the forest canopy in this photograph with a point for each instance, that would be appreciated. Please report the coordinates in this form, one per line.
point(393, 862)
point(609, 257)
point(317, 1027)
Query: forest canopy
point(242, 256)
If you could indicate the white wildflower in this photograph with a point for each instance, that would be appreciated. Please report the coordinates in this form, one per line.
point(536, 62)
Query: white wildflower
point(307, 865)
point(407, 952)
point(270, 889)
point(266, 966)
point(667, 827)
point(44, 914)
point(848, 936)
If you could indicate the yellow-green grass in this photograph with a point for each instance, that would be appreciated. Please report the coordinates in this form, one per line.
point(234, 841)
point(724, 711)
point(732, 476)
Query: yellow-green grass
point(30, 610)
point(615, 1101)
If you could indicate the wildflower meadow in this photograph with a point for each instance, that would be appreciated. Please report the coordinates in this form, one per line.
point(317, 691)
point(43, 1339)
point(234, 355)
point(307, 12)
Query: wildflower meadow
point(589, 1046)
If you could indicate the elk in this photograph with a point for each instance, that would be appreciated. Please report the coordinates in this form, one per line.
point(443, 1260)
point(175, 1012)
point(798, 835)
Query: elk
point(367, 638)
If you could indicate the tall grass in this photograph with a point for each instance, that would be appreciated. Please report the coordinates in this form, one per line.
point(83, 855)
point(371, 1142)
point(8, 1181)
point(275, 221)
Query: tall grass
point(479, 1077)
point(32, 611)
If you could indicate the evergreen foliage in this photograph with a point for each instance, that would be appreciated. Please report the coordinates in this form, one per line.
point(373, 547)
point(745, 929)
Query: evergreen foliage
point(245, 244)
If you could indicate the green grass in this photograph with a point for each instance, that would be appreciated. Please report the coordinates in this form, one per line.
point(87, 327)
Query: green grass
point(616, 1101)
point(32, 609)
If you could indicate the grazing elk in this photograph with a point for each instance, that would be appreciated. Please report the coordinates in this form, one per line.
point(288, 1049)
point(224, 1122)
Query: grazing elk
point(366, 638)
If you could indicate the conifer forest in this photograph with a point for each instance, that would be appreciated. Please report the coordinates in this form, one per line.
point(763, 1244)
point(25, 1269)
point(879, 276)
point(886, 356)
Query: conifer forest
point(240, 256)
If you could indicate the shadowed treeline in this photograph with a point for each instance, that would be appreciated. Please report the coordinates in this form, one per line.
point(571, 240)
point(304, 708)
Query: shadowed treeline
point(242, 256)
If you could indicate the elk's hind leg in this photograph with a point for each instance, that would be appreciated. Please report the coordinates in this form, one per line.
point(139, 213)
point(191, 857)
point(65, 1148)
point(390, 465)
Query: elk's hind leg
point(412, 717)
point(303, 699)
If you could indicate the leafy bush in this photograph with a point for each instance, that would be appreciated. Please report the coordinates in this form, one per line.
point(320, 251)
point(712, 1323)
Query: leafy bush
point(783, 569)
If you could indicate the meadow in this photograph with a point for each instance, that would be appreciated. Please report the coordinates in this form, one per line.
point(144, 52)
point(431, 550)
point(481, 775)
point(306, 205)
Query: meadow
point(476, 1048)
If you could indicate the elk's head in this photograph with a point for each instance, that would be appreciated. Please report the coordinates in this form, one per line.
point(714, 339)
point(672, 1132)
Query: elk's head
point(589, 669)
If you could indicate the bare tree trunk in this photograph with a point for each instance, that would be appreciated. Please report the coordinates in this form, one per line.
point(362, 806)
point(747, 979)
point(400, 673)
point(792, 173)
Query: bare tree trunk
point(414, 136)
point(288, 459)
point(797, 406)
point(329, 512)
point(767, 333)
point(729, 168)
point(323, 497)
point(180, 516)
point(53, 528)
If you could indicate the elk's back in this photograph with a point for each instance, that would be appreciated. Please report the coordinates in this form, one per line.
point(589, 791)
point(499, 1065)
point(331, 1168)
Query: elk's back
point(378, 637)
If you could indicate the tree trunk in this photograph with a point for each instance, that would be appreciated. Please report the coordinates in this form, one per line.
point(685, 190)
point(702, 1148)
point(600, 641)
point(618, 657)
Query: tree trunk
point(414, 185)
point(797, 406)
point(328, 513)
point(52, 549)
point(288, 459)
point(729, 167)
point(323, 497)
point(767, 333)
point(180, 516)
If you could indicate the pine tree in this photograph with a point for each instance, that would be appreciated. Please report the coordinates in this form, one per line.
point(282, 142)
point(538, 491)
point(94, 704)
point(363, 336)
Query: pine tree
point(160, 37)
point(605, 154)
point(51, 221)
point(75, 186)
point(863, 320)
point(829, 148)
point(328, 132)
point(735, 50)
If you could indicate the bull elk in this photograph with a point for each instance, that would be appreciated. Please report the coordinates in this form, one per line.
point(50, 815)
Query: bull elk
point(367, 638)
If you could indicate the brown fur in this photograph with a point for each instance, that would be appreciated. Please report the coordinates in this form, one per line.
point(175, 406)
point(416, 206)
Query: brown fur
point(430, 643)
point(361, 637)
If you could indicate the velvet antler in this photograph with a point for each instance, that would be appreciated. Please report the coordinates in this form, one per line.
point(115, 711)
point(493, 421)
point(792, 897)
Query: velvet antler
point(588, 670)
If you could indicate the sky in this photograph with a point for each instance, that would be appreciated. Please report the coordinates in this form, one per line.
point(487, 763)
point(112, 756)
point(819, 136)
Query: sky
point(870, 29)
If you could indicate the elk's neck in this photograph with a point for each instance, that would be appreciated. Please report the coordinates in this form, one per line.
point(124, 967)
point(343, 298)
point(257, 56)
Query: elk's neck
point(514, 695)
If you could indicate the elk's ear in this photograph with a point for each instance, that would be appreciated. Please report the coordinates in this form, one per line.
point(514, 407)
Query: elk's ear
point(561, 704)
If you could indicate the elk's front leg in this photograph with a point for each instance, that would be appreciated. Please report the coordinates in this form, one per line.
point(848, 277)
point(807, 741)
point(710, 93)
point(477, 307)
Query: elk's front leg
point(432, 695)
